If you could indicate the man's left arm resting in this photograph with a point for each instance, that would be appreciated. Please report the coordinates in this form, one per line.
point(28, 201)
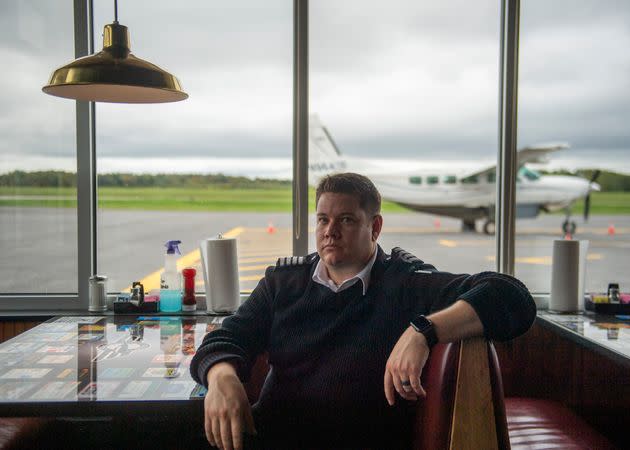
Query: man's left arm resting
point(495, 305)
point(410, 354)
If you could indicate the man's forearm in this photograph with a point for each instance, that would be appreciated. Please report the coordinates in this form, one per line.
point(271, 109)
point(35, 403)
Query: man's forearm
point(458, 321)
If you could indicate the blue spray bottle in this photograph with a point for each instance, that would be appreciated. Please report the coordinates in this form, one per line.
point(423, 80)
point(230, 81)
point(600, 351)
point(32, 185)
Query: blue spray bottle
point(170, 283)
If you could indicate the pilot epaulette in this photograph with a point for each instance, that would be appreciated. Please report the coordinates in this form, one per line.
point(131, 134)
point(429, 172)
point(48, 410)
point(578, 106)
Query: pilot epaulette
point(411, 262)
point(292, 261)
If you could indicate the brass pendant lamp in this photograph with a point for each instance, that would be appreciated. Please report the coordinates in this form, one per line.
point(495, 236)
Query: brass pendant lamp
point(114, 75)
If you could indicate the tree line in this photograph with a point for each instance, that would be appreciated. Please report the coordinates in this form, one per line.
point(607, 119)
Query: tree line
point(55, 178)
point(609, 181)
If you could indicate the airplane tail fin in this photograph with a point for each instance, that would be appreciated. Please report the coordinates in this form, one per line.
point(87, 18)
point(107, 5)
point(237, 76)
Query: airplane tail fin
point(324, 155)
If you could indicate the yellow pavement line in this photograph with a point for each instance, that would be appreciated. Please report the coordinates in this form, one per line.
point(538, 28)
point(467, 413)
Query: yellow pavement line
point(542, 260)
point(251, 277)
point(447, 243)
point(186, 260)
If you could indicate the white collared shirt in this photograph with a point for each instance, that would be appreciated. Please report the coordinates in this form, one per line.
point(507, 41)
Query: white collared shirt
point(320, 275)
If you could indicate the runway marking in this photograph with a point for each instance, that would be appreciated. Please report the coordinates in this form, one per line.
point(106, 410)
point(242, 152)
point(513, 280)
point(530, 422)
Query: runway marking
point(152, 280)
point(251, 277)
point(447, 243)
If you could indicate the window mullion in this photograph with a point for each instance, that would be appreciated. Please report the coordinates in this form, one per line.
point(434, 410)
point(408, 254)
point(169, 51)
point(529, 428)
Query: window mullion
point(300, 127)
point(86, 164)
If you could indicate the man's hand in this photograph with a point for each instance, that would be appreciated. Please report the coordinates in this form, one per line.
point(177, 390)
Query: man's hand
point(405, 365)
point(226, 408)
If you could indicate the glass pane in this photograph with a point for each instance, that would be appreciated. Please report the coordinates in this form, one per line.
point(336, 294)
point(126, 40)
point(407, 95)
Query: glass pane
point(190, 170)
point(38, 215)
point(574, 71)
point(407, 92)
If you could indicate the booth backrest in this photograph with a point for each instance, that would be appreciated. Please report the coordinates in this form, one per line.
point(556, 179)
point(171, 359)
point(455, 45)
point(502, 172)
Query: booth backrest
point(432, 427)
point(464, 405)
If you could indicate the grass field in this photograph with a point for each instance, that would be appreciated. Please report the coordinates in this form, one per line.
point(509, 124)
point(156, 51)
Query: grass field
point(222, 199)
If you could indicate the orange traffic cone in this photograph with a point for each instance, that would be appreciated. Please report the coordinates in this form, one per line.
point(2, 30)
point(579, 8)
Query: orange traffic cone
point(568, 237)
point(270, 228)
point(611, 230)
point(437, 223)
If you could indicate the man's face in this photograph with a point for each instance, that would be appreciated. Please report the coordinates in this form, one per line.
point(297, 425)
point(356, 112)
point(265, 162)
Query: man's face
point(345, 234)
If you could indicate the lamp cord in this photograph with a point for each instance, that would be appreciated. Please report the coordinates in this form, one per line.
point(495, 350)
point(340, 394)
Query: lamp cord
point(115, 11)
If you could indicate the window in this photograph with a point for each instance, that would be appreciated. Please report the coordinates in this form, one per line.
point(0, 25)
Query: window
point(472, 179)
point(390, 82)
point(530, 174)
point(573, 71)
point(169, 171)
point(450, 179)
point(396, 103)
point(38, 196)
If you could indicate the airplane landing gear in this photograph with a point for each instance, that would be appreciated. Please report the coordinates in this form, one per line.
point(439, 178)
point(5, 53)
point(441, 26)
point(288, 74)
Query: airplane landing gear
point(468, 225)
point(489, 227)
point(569, 227)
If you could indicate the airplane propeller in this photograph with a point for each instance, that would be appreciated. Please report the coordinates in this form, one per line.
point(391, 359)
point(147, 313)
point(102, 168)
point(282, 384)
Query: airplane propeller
point(587, 199)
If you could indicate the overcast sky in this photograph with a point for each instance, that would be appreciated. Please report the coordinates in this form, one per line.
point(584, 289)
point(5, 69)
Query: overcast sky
point(406, 79)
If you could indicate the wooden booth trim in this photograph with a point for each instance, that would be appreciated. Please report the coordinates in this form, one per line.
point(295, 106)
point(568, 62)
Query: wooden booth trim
point(473, 425)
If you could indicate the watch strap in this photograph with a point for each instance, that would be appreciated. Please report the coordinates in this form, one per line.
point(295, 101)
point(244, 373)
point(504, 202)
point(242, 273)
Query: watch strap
point(425, 326)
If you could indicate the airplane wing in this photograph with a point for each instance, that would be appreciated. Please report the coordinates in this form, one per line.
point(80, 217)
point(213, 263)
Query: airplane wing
point(538, 153)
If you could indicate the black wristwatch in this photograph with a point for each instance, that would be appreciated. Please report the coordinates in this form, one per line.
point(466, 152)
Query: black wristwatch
point(423, 325)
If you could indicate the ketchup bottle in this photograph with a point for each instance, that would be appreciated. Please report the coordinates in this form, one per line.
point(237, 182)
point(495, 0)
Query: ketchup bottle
point(189, 302)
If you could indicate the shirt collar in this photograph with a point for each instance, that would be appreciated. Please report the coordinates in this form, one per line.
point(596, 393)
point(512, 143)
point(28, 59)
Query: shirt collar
point(320, 275)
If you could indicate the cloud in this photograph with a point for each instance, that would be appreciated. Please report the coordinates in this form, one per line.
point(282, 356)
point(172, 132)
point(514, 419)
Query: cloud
point(413, 79)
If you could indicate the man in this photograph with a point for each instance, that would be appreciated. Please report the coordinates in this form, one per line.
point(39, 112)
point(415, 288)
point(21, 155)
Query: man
point(346, 334)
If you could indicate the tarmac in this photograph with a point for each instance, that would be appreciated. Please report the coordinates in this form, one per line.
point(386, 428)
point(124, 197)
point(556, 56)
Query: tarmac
point(40, 247)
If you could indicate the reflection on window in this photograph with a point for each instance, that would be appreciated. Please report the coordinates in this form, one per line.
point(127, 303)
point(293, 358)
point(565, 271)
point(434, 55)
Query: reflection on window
point(491, 177)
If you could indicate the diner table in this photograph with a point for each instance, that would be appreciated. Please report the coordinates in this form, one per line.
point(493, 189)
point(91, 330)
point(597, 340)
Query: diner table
point(105, 365)
point(607, 335)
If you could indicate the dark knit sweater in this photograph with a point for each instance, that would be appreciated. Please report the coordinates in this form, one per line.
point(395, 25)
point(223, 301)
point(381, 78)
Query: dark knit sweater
point(328, 351)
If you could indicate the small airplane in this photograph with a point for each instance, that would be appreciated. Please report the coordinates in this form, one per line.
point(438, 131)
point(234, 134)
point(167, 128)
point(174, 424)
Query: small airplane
point(461, 192)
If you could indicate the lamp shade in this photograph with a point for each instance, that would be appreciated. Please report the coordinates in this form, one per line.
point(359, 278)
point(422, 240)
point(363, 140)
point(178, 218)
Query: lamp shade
point(114, 75)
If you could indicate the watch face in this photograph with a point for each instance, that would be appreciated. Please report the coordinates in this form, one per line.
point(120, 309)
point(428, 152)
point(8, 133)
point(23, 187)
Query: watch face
point(425, 326)
point(421, 323)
